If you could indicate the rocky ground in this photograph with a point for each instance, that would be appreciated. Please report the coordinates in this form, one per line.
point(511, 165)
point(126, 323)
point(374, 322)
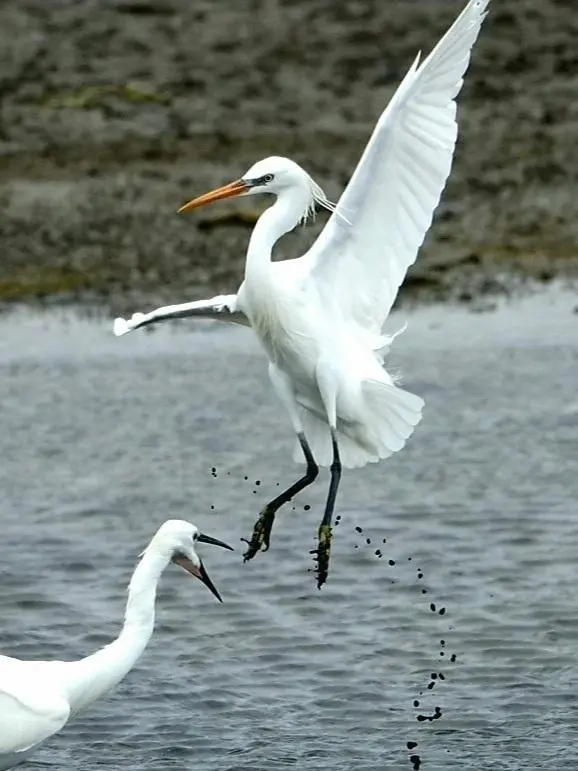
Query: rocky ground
point(113, 112)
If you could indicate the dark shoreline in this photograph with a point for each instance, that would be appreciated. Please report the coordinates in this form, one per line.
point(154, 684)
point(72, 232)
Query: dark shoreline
point(112, 117)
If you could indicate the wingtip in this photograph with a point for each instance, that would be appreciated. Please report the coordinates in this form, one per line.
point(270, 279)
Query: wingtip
point(120, 327)
point(480, 7)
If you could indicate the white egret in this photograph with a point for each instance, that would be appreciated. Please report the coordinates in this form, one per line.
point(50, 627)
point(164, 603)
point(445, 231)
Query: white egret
point(320, 317)
point(37, 698)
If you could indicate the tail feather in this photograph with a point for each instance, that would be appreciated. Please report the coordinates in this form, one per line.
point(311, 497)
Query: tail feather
point(353, 455)
point(395, 412)
point(392, 413)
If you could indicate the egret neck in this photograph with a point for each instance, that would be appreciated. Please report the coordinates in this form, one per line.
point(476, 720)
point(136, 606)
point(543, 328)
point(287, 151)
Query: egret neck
point(98, 673)
point(291, 206)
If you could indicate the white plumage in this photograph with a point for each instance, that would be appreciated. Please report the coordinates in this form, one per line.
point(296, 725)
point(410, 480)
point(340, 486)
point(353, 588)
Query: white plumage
point(37, 698)
point(320, 318)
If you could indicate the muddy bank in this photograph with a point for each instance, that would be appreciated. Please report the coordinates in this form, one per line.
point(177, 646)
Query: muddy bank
point(115, 111)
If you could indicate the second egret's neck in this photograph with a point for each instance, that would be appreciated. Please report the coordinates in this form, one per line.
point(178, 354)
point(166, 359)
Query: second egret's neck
point(283, 216)
point(94, 675)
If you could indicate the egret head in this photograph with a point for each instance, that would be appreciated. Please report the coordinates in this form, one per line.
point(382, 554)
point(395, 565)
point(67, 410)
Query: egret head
point(275, 174)
point(176, 541)
point(272, 175)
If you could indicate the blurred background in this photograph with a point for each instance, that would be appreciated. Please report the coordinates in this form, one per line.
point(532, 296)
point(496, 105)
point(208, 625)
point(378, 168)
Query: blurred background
point(116, 111)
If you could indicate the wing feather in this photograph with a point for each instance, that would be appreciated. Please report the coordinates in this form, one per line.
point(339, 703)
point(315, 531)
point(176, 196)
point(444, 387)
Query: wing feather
point(223, 308)
point(362, 255)
point(25, 723)
point(31, 709)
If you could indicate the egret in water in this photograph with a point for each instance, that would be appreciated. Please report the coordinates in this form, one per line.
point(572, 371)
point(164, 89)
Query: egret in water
point(320, 317)
point(37, 698)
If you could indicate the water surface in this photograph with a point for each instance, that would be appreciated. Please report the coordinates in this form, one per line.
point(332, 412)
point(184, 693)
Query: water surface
point(102, 439)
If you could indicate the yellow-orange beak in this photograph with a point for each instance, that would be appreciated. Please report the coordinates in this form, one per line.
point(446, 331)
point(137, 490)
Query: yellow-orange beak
point(226, 191)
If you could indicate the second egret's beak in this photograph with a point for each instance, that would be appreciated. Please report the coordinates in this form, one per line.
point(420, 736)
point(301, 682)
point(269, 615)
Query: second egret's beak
point(226, 191)
point(198, 572)
point(204, 538)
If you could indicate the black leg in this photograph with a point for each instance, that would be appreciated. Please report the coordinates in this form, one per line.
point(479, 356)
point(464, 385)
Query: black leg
point(262, 528)
point(325, 528)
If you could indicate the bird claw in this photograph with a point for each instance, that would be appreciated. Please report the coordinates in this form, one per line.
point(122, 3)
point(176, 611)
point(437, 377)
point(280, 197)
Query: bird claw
point(323, 553)
point(261, 538)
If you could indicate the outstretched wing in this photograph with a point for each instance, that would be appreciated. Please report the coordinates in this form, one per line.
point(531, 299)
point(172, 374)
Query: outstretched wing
point(362, 255)
point(223, 308)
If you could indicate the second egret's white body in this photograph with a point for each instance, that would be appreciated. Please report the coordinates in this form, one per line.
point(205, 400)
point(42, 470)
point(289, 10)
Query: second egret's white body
point(38, 698)
point(320, 318)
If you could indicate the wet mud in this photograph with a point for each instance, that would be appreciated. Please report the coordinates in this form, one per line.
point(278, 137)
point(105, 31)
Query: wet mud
point(115, 112)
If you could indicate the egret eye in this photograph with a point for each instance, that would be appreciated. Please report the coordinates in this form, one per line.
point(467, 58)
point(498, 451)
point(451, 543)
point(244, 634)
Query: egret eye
point(268, 178)
point(195, 536)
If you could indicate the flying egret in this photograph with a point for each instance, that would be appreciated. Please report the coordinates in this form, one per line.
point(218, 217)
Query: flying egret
point(37, 698)
point(320, 317)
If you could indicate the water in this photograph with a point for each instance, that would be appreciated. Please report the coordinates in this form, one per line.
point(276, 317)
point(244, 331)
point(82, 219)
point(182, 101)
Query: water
point(103, 439)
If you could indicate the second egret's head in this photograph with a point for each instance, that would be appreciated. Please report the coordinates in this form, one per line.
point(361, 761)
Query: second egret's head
point(271, 175)
point(176, 540)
